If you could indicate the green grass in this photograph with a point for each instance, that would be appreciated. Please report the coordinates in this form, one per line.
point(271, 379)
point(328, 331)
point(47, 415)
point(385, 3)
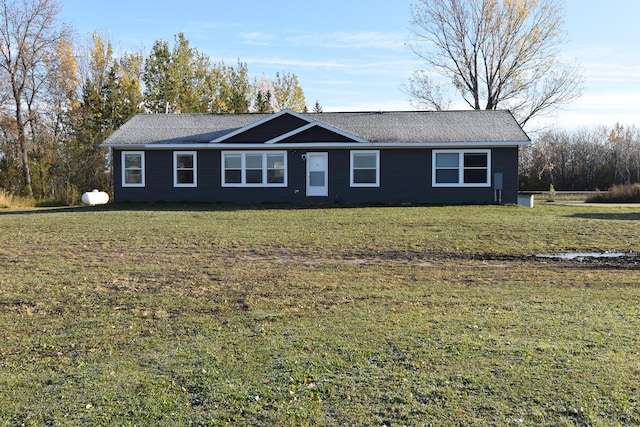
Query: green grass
point(217, 315)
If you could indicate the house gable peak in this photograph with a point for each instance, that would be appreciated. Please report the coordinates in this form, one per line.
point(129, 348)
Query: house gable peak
point(285, 126)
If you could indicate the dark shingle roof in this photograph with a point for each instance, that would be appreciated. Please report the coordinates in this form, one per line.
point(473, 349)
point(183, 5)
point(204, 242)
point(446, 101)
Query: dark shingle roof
point(405, 127)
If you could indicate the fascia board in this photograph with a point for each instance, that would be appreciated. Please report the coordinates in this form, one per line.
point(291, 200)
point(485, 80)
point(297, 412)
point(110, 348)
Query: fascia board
point(319, 145)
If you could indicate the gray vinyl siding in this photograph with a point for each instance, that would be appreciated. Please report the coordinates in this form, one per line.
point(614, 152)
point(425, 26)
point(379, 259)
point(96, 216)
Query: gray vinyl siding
point(405, 178)
point(505, 160)
point(159, 182)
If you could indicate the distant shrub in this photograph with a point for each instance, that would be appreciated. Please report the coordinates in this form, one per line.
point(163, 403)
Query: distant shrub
point(8, 201)
point(4, 200)
point(552, 193)
point(619, 193)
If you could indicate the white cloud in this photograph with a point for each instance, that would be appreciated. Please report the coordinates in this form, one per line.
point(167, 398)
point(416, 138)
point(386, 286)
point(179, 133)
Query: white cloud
point(605, 63)
point(367, 68)
point(595, 109)
point(291, 62)
point(611, 87)
point(204, 25)
point(348, 40)
point(256, 38)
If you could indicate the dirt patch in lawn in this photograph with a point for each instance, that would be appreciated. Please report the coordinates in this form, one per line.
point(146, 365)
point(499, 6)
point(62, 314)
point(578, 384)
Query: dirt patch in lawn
point(627, 261)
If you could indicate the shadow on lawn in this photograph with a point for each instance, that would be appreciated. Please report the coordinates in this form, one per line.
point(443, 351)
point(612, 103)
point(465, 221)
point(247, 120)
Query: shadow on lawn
point(40, 211)
point(167, 207)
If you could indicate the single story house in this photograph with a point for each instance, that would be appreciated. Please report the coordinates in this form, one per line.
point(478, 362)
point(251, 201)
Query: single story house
point(419, 157)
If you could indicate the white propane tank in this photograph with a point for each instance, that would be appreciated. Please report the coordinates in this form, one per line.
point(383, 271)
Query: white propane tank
point(95, 197)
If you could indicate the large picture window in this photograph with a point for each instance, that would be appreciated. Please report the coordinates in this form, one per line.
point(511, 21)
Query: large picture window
point(461, 168)
point(133, 168)
point(365, 168)
point(185, 169)
point(254, 168)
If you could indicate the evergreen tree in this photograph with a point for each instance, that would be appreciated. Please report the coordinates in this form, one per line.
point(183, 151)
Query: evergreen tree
point(157, 79)
point(282, 93)
point(237, 89)
point(183, 80)
point(263, 102)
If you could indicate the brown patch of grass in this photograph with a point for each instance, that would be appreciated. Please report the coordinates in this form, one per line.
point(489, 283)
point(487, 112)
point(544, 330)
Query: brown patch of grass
point(8, 200)
point(620, 193)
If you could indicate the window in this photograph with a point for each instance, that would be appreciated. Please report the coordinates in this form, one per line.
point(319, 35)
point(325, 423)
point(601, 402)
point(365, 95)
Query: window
point(454, 168)
point(185, 169)
point(254, 169)
point(275, 168)
point(133, 168)
point(365, 168)
point(232, 167)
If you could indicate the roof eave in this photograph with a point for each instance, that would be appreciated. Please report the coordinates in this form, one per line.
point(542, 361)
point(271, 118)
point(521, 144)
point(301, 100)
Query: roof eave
point(317, 145)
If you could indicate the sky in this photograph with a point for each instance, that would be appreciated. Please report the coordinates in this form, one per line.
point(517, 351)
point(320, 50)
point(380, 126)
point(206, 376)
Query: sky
point(352, 55)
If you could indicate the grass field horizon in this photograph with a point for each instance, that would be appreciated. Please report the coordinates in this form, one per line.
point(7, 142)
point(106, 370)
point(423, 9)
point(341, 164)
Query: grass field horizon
point(228, 315)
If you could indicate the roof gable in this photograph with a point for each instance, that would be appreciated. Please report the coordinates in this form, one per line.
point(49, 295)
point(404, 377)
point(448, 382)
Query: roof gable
point(265, 129)
point(285, 126)
point(316, 132)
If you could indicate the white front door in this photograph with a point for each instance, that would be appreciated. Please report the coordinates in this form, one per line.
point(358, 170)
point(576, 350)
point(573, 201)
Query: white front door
point(317, 174)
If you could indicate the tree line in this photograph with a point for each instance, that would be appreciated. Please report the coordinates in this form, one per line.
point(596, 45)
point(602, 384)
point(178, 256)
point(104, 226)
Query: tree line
point(581, 160)
point(59, 102)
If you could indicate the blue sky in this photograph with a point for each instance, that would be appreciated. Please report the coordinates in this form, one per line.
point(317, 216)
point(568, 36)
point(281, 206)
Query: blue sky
point(351, 55)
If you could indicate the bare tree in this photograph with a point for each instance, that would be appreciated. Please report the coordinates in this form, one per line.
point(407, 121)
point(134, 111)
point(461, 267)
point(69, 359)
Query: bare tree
point(29, 37)
point(584, 159)
point(623, 143)
point(495, 53)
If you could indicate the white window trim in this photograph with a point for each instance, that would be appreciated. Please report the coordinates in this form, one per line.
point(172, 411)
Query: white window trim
point(460, 182)
point(195, 168)
point(142, 167)
point(243, 169)
point(351, 169)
